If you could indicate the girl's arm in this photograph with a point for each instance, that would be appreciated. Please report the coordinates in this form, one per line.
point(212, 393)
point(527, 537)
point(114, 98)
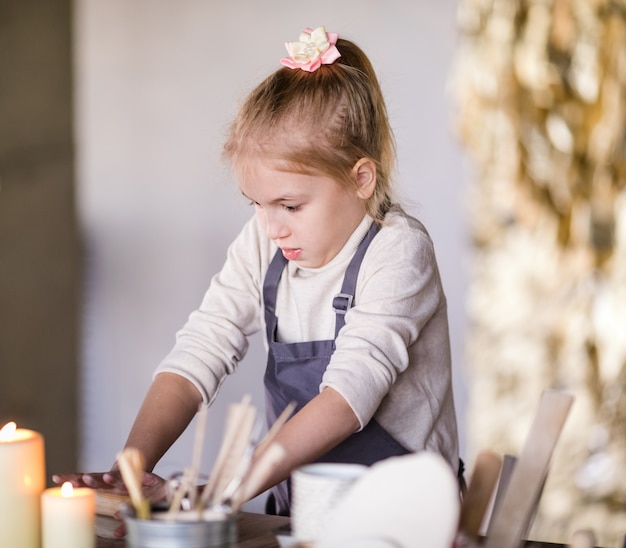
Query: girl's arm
point(172, 402)
point(319, 426)
point(167, 409)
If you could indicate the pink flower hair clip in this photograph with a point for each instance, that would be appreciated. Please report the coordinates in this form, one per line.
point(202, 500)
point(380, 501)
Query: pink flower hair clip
point(315, 48)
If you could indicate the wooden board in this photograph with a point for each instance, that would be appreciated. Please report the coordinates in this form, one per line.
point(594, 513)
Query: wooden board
point(511, 518)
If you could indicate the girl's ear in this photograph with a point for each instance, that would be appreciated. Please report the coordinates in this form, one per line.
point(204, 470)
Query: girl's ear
point(364, 173)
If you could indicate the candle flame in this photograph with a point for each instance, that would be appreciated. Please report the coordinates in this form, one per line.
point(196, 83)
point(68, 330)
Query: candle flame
point(8, 431)
point(67, 489)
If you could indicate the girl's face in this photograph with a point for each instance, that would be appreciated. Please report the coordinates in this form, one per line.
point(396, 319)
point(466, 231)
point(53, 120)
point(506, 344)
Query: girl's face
point(309, 217)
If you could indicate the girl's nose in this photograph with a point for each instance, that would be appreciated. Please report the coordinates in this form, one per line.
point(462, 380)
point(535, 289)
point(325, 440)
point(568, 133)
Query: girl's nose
point(274, 227)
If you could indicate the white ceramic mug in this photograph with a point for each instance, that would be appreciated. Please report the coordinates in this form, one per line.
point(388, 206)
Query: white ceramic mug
point(315, 490)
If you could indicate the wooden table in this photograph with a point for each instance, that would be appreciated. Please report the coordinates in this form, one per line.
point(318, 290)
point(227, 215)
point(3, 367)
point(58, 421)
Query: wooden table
point(255, 531)
point(259, 531)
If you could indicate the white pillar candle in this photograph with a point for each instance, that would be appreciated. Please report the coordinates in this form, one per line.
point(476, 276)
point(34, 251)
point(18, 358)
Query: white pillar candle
point(68, 517)
point(22, 479)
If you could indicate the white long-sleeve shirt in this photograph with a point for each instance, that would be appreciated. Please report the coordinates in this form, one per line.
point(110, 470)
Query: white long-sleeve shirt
point(392, 357)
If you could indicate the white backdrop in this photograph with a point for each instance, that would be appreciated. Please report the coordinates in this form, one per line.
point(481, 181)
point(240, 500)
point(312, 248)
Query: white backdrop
point(157, 82)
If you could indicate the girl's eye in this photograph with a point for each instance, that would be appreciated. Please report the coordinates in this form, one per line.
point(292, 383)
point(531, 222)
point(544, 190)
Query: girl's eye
point(291, 208)
point(253, 203)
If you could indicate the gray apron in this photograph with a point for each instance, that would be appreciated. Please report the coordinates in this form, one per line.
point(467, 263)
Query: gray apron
point(294, 373)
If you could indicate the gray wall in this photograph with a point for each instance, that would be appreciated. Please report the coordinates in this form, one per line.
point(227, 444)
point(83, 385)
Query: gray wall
point(157, 83)
point(39, 246)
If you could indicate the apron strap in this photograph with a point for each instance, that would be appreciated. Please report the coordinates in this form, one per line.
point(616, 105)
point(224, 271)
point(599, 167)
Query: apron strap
point(344, 300)
point(270, 290)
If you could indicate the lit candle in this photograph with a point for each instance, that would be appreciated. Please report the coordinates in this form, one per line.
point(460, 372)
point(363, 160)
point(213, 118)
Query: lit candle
point(22, 479)
point(68, 517)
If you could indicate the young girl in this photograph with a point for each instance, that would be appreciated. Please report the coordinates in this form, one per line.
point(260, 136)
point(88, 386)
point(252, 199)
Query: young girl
point(343, 282)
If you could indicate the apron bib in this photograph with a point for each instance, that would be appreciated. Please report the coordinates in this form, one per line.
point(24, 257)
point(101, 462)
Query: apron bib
point(294, 372)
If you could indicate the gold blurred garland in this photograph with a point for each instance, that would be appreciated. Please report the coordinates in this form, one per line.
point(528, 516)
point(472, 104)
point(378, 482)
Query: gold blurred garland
point(541, 95)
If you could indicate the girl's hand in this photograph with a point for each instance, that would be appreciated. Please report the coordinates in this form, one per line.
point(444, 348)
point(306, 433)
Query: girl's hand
point(153, 485)
point(105, 481)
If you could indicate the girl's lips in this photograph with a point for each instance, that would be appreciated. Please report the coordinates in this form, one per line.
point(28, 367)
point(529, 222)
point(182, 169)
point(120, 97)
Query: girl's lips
point(291, 254)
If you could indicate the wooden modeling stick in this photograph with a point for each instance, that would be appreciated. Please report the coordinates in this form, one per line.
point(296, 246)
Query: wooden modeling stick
point(479, 491)
point(257, 476)
point(237, 416)
point(275, 428)
point(236, 454)
point(132, 465)
point(190, 476)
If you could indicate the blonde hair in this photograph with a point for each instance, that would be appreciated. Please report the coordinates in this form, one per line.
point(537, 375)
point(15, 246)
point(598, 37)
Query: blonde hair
point(320, 122)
